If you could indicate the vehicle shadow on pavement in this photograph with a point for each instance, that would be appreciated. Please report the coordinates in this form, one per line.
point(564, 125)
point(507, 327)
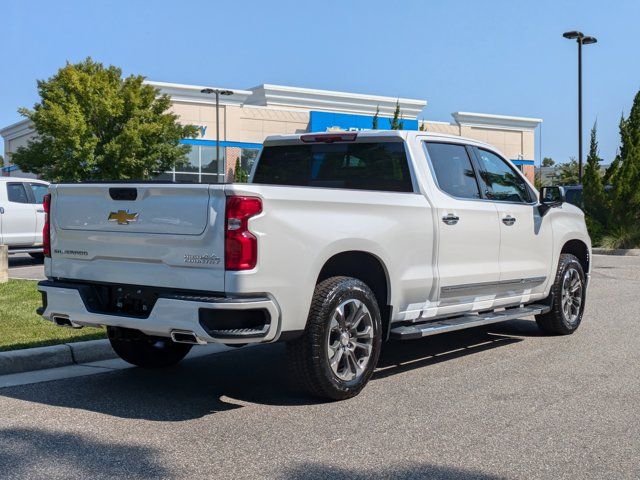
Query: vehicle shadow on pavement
point(405, 355)
point(260, 375)
point(312, 471)
point(37, 453)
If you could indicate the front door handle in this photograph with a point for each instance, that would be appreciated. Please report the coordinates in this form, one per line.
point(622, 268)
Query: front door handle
point(450, 219)
point(508, 220)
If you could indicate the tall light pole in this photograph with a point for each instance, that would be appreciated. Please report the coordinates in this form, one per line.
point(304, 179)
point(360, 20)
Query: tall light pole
point(218, 92)
point(580, 39)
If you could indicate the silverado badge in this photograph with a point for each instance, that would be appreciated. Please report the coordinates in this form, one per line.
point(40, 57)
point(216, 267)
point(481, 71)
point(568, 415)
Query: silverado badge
point(123, 217)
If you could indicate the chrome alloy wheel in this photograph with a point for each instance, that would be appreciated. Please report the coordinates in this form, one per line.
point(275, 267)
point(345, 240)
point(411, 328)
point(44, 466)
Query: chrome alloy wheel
point(350, 339)
point(571, 295)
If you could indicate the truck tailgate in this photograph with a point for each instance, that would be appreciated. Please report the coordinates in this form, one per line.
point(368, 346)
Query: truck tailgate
point(164, 235)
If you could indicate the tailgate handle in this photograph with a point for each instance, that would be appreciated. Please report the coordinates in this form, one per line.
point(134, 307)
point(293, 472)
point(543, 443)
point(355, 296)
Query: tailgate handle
point(122, 193)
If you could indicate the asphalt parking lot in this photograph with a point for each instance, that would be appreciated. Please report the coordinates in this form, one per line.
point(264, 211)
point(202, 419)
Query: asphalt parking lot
point(495, 402)
point(22, 266)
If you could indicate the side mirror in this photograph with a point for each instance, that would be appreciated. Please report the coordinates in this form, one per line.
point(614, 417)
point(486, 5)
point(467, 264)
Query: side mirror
point(550, 197)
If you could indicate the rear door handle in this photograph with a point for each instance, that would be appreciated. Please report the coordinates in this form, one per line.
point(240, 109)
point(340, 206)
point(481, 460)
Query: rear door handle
point(1, 210)
point(508, 220)
point(450, 219)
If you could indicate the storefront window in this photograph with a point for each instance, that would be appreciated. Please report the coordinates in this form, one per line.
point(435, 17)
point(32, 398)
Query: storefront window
point(201, 166)
point(208, 159)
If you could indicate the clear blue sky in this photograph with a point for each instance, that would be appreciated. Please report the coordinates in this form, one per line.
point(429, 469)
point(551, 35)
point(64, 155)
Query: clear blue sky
point(505, 57)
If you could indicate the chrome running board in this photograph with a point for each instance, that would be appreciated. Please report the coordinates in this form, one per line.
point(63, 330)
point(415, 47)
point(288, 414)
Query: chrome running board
point(419, 330)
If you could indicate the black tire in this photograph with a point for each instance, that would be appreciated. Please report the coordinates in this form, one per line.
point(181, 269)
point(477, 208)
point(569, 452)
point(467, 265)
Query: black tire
point(557, 321)
point(37, 256)
point(144, 351)
point(309, 355)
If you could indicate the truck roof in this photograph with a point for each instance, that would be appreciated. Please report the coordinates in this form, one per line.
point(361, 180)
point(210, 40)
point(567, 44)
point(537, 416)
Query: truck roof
point(21, 179)
point(404, 134)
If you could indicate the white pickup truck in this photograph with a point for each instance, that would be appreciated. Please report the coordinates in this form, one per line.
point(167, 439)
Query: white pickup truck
point(22, 214)
point(339, 242)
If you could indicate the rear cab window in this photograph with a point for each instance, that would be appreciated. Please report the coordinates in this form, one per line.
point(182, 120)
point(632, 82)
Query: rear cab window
point(365, 165)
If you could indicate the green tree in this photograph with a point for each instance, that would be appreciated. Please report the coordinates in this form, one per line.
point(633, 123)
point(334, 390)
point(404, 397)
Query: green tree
point(396, 122)
point(94, 125)
point(623, 222)
point(423, 126)
point(240, 175)
point(1, 161)
point(593, 191)
point(374, 122)
point(548, 162)
point(567, 173)
point(625, 177)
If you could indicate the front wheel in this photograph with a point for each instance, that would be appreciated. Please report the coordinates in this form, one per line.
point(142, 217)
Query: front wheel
point(142, 350)
point(336, 355)
point(568, 298)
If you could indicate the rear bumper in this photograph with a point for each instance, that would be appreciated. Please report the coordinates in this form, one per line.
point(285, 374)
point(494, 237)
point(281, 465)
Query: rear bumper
point(170, 313)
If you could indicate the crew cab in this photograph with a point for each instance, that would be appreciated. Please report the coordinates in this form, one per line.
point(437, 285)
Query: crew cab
point(22, 214)
point(339, 242)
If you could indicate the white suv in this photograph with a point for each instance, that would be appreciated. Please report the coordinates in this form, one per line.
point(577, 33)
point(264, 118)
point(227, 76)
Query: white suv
point(22, 214)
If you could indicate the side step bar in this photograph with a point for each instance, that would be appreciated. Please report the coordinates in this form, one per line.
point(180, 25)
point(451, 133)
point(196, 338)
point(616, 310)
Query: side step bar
point(419, 330)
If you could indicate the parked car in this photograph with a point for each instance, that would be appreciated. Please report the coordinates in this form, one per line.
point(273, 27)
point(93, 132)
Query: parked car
point(340, 242)
point(22, 214)
point(573, 195)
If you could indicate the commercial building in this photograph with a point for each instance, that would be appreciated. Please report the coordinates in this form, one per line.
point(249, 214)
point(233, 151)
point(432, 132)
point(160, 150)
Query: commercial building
point(248, 116)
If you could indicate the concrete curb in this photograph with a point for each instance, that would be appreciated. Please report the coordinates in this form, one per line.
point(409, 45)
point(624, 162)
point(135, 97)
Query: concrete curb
point(632, 252)
point(30, 359)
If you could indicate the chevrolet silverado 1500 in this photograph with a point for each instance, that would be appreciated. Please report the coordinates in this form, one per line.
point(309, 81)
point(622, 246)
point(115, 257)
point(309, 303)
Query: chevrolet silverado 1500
point(339, 242)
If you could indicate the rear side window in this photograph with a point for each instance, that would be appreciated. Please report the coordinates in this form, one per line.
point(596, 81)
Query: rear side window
point(16, 193)
point(358, 166)
point(453, 170)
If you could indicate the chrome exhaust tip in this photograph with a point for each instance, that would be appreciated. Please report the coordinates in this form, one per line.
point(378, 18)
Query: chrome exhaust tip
point(64, 321)
point(185, 336)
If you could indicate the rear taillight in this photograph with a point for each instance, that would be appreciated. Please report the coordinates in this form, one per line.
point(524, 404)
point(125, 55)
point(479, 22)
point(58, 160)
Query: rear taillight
point(46, 231)
point(240, 246)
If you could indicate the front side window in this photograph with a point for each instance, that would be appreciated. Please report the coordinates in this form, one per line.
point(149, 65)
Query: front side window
point(502, 182)
point(453, 170)
point(358, 166)
point(39, 191)
point(16, 193)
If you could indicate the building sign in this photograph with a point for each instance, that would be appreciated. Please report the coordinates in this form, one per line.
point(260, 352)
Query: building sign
point(324, 121)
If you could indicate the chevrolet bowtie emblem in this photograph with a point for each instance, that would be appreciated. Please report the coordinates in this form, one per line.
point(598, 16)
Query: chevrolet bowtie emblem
point(123, 217)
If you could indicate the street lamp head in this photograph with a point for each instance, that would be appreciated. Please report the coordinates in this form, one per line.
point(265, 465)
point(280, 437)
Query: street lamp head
point(209, 91)
point(573, 34)
point(589, 40)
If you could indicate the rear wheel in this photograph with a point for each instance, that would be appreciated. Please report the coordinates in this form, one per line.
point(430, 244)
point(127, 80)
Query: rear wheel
point(336, 355)
point(144, 351)
point(568, 298)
